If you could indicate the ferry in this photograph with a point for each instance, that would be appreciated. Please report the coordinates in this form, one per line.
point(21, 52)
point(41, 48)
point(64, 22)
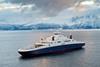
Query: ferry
point(52, 44)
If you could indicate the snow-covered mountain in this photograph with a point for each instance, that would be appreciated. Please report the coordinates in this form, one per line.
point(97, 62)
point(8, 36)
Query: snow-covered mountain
point(84, 15)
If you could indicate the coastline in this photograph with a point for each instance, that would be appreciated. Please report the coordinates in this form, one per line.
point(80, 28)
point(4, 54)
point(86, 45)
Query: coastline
point(55, 30)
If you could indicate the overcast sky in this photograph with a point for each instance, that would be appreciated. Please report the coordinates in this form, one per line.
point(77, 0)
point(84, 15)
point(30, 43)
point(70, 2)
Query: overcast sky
point(33, 11)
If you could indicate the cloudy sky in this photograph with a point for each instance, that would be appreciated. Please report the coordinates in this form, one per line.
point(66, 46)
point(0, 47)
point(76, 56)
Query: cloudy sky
point(35, 11)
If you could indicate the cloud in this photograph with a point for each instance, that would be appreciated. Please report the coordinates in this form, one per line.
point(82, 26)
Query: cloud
point(87, 3)
point(14, 7)
point(79, 9)
point(31, 11)
point(47, 7)
point(83, 6)
point(7, 6)
point(27, 11)
point(13, 17)
point(17, 13)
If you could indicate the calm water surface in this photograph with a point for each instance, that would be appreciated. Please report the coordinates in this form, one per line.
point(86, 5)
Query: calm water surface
point(11, 41)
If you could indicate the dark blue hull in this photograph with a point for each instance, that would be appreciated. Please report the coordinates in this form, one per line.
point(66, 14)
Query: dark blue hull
point(54, 49)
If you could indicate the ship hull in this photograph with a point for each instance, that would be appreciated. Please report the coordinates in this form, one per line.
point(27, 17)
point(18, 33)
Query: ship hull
point(54, 49)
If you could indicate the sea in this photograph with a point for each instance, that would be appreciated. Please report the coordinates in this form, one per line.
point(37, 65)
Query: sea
point(11, 41)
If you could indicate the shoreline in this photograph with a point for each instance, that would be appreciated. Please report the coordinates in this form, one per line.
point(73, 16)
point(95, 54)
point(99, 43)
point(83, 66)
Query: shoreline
point(55, 30)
